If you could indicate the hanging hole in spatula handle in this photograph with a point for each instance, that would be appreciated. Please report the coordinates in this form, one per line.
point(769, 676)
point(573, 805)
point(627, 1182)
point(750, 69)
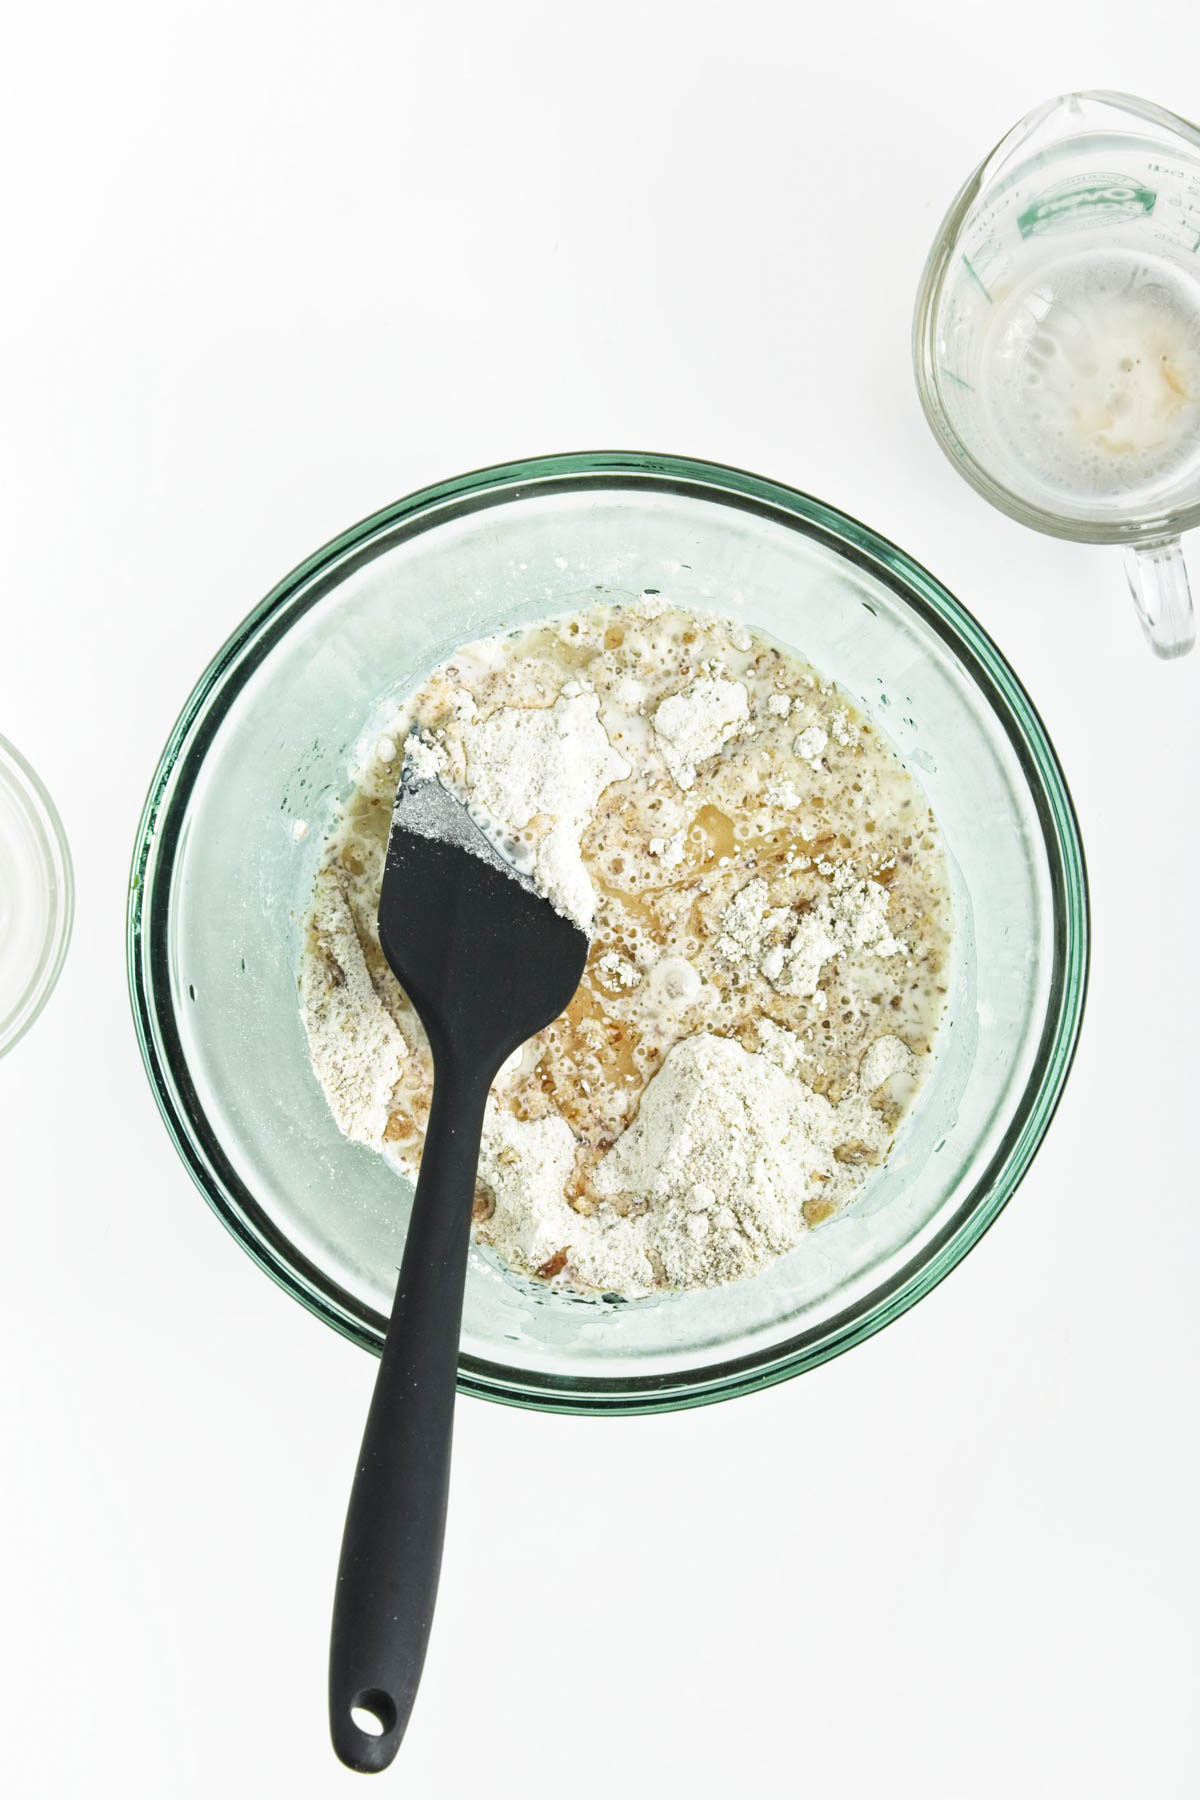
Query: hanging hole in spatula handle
point(1158, 581)
point(368, 1737)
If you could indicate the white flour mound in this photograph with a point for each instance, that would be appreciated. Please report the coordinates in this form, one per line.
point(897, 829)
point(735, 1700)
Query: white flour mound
point(725, 1149)
point(790, 950)
point(693, 725)
point(356, 1048)
point(527, 764)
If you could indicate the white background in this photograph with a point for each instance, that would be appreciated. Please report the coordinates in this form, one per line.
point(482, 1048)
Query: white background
point(267, 268)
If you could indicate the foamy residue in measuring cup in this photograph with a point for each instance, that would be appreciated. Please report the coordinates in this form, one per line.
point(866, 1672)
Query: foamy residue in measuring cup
point(1091, 379)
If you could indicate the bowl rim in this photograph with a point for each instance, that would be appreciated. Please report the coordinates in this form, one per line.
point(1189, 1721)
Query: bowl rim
point(158, 837)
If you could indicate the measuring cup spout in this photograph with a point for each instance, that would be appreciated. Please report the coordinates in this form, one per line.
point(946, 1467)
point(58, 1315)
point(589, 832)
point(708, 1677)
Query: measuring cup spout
point(1158, 581)
point(1039, 130)
point(1092, 112)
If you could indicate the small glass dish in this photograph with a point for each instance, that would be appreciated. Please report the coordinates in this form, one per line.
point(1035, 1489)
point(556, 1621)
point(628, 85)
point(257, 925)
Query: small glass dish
point(232, 833)
point(37, 896)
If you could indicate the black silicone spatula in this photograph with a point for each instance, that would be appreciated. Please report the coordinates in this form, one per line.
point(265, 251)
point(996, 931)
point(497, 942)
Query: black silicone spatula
point(486, 962)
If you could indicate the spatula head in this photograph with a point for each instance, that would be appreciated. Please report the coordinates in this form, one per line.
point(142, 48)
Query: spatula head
point(483, 956)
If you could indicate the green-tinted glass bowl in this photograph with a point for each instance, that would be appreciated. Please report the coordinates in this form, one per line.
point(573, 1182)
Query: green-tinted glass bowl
point(232, 831)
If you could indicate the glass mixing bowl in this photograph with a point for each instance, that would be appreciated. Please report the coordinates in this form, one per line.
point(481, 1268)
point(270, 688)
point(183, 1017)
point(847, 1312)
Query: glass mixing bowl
point(247, 785)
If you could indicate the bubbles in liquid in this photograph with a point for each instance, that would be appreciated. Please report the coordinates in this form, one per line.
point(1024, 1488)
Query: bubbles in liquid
point(1091, 380)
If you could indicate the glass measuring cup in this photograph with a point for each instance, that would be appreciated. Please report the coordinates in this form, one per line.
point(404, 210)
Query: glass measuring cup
point(1057, 337)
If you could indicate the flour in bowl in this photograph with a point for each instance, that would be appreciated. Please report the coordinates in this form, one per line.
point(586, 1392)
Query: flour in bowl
point(767, 900)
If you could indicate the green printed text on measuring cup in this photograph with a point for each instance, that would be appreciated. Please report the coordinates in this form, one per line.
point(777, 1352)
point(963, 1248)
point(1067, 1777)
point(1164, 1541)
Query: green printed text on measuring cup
point(1086, 200)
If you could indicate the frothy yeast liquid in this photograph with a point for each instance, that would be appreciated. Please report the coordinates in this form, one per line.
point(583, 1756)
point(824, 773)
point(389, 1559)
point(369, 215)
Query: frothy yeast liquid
point(1091, 379)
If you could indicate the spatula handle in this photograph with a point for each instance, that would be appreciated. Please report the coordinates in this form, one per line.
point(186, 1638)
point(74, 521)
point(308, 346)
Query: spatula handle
point(392, 1545)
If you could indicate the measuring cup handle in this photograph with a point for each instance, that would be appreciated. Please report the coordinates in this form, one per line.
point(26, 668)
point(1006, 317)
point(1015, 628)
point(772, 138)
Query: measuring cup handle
point(1159, 584)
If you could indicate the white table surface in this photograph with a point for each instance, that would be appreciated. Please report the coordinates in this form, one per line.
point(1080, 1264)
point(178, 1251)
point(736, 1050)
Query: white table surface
point(267, 268)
